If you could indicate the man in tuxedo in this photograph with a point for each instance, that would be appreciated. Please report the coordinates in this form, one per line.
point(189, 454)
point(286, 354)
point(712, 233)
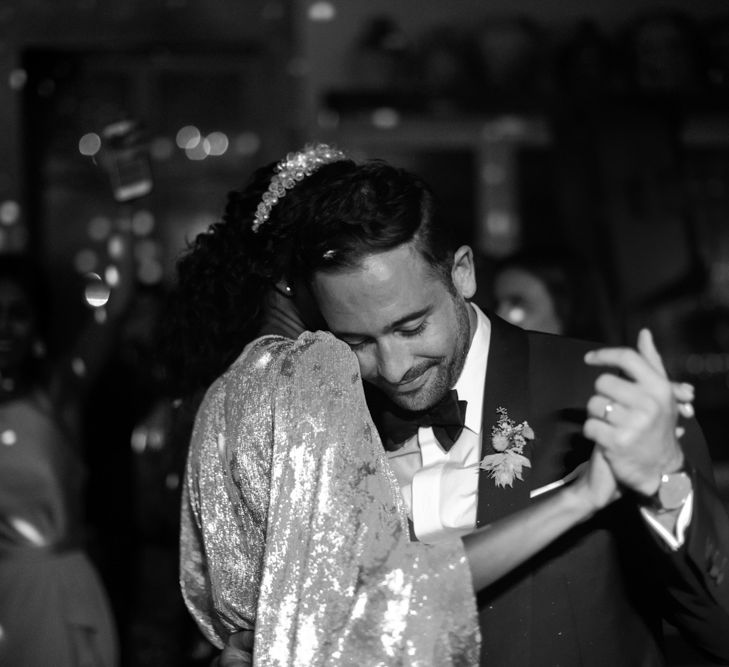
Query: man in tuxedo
point(381, 269)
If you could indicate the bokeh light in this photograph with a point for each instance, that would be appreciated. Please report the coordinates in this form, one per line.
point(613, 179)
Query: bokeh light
point(99, 228)
point(188, 137)
point(142, 222)
point(217, 143)
point(96, 292)
point(322, 11)
point(78, 366)
point(8, 437)
point(17, 78)
point(9, 212)
point(197, 152)
point(89, 144)
point(385, 118)
point(112, 276)
point(115, 247)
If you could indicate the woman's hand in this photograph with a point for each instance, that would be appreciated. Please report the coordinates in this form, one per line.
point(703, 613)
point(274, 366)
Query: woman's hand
point(633, 416)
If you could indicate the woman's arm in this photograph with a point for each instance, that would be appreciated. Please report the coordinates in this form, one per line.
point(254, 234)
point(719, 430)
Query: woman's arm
point(494, 550)
point(498, 548)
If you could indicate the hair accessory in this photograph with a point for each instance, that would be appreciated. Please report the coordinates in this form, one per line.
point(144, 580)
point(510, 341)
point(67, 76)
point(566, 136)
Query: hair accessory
point(292, 169)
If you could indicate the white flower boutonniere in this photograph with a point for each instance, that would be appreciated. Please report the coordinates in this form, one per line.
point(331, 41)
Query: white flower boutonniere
point(508, 439)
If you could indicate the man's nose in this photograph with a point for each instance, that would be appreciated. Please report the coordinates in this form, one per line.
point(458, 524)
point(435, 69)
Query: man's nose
point(393, 361)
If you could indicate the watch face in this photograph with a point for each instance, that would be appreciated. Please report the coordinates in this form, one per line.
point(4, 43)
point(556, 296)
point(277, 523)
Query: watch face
point(675, 488)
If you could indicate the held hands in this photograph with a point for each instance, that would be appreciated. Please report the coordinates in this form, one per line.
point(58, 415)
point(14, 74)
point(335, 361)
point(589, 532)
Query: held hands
point(633, 419)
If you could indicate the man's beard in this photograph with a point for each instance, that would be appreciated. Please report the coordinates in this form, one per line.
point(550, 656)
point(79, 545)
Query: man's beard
point(449, 368)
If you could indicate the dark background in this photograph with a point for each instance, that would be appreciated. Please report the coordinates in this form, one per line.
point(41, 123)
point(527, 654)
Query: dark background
point(602, 126)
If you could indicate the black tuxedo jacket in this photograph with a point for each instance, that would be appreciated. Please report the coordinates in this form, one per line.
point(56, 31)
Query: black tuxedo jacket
point(597, 595)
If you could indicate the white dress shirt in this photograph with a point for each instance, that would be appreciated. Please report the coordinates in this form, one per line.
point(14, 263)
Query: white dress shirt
point(441, 488)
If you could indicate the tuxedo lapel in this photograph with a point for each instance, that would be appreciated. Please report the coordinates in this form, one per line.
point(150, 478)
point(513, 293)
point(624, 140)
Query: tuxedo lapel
point(507, 386)
point(507, 603)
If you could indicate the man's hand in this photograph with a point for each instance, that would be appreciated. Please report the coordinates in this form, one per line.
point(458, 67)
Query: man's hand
point(633, 419)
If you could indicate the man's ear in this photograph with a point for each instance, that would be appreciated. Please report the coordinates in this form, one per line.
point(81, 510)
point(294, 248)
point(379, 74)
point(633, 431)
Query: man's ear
point(463, 272)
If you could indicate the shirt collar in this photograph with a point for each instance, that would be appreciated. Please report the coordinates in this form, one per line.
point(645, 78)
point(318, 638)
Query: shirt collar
point(471, 382)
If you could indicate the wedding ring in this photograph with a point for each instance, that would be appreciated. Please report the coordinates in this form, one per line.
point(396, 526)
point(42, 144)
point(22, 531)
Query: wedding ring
point(686, 409)
point(609, 407)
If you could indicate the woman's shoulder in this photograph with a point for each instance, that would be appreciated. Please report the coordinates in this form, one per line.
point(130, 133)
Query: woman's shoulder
point(269, 357)
point(272, 350)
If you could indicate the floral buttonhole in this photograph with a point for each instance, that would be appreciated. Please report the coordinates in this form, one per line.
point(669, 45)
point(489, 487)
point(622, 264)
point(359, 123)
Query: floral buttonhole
point(508, 439)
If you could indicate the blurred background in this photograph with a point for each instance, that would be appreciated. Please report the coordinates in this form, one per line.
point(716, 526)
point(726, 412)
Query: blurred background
point(599, 127)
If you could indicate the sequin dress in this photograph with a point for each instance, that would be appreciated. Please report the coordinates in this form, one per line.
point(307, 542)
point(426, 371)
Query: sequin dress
point(293, 523)
point(53, 609)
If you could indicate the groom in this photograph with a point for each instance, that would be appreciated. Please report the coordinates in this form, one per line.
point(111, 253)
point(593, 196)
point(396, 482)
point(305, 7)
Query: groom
point(380, 266)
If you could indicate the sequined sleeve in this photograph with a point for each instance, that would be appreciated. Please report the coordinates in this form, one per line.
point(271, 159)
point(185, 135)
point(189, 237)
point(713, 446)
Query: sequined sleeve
point(322, 566)
point(342, 583)
point(226, 492)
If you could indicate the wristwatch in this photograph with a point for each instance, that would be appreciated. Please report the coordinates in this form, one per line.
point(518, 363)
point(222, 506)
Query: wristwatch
point(673, 491)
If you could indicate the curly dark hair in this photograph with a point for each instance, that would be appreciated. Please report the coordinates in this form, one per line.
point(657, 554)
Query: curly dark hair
point(330, 220)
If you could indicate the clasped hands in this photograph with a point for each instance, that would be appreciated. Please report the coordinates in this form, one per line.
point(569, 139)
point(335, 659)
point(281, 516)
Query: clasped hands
point(633, 417)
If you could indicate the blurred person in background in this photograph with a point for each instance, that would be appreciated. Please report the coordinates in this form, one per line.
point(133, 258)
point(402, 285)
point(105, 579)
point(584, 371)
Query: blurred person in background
point(54, 609)
point(554, 290)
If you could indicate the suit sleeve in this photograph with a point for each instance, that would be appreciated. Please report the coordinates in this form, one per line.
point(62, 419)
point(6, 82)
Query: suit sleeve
point(697, 589)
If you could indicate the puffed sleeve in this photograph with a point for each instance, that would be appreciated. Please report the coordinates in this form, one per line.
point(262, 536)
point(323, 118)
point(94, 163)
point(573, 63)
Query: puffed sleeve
point(226, 492)
point(342, 583)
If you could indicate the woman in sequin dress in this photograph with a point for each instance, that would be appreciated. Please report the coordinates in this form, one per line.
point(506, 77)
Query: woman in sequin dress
point(53, 608)
point(292, 521)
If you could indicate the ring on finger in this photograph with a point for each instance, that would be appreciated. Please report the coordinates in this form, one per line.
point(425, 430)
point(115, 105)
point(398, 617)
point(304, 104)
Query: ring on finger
point(609, 407)
point(686, 409)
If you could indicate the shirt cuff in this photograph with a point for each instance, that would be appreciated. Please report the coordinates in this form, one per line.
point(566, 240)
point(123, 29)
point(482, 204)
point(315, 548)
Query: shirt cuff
point(674, 540)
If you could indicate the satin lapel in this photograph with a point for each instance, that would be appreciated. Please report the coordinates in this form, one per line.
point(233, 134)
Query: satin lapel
point(507, 386)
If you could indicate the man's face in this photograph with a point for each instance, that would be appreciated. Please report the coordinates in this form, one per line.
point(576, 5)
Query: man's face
point(410, 332)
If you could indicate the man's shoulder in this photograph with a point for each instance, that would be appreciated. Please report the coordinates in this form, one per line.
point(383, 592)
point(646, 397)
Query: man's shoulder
point(557, 363)
point(558, 344)
point(509, 336)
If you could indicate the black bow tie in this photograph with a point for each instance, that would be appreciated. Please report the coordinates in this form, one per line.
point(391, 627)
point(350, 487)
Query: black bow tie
point(446, 418)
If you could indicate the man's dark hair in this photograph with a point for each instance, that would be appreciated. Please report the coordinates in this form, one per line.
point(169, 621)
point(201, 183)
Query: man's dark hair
point(365, 209)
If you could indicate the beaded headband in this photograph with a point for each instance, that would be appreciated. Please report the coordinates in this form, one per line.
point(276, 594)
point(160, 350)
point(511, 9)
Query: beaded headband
point(292, 169)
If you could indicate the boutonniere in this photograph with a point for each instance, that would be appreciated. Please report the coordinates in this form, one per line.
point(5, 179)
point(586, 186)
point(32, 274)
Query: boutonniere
point(508, 439)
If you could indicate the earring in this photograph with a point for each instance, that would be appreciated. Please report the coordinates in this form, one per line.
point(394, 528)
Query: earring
point(284, 288)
